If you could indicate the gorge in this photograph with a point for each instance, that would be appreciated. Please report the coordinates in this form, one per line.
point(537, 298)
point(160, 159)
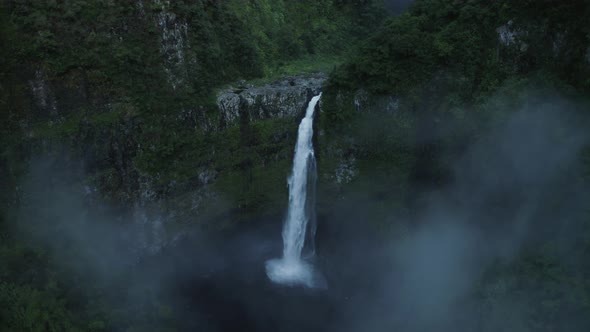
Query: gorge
point(436, 153)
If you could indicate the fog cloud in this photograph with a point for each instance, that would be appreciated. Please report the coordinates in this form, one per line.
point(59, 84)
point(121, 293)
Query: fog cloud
point(514, 188)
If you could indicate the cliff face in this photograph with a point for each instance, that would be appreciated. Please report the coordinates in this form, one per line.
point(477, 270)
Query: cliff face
point(431, 80)
point(284, 98)
point(134, 105)
point(203, 165)
point(122, 96)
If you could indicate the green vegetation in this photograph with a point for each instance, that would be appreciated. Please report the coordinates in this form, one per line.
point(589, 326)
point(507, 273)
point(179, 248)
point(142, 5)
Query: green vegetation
point(302, 67)
point(445, 62)
point(283, 31)
point(126, 52)
point(96, 79)
point(144, 73)
point(453, 51)
point(109, 66)
point(448, 76)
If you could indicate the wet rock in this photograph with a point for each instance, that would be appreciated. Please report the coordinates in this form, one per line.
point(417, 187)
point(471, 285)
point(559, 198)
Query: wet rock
point(287, 97)
point(346, 170)
point(365, 102)
point(509, 35)
point(43, 94)
point(174, 41)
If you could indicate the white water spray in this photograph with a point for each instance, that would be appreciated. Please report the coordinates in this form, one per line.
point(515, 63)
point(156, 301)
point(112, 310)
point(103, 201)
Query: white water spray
point(292, 269)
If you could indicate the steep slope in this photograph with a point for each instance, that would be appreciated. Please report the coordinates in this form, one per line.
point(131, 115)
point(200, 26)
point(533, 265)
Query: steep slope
point(439, 66)
point(112, 138)
point(458, 132)
point(127, 90)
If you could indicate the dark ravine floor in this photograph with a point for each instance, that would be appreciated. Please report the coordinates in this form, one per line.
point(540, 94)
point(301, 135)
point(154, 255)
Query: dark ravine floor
point(219, 283)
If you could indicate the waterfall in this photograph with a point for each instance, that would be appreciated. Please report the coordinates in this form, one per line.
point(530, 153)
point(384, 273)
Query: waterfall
point(291, 269)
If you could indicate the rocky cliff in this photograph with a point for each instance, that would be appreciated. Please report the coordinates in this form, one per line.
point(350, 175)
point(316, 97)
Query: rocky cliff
point(204, 165)
point(284, 98)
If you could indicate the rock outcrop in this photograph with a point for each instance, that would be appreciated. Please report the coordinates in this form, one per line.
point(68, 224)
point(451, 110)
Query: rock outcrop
point(287, 97)
point(511, 35)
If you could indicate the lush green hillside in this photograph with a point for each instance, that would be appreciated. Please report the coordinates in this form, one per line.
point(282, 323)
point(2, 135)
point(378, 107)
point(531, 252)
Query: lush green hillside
point(470, 48)
point(443, 62)
point(93, 80)
point(125, 50)
point(121, 93)
point(429, 86)
point(83, 70)
point(79, 69)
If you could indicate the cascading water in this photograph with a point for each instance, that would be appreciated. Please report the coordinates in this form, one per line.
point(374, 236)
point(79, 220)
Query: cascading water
point(292, 269)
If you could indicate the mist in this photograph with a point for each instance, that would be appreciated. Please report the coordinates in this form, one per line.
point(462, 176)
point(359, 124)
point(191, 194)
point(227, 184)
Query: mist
point(515, 188)
point(154, 178)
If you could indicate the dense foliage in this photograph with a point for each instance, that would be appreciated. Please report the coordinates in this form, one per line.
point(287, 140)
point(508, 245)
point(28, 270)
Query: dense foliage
point(433, 81)
point(462, 51)
point(442, 62)
point(112, 65)
point(117, 66)
point(116, 49)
